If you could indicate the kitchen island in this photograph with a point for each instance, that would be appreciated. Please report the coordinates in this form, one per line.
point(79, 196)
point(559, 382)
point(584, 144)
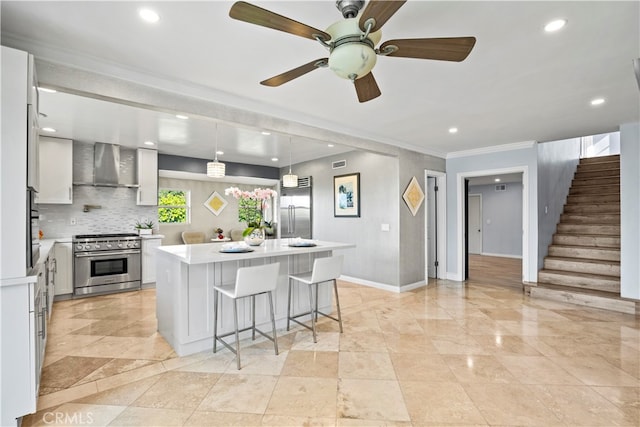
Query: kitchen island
point(186, 274)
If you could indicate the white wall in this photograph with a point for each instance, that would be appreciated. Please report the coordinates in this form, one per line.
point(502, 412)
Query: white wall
point(511, 158)
point(557, 162)
point(630, 210)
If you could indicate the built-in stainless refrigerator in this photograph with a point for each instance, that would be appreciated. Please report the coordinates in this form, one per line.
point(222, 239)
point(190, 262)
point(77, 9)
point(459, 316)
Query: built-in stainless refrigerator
point(296, 208)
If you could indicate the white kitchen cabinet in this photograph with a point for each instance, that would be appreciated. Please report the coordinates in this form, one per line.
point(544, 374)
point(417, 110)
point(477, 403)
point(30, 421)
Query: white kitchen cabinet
point(64, 268)
point(147, 169)
point(23, 320)
point(56, 171)
point(149, 249)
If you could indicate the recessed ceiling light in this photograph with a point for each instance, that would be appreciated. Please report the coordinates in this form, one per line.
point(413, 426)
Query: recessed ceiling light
point(219, 153)
point(149, 143)
point(181, 116)
point(329, 145)
point(45, 89)
point(453, 130)
point(264, 132)
point(497, 180)
point(274, 159)
point(555, 25)
point(149, 15)
point(597, 101)
point(52, 130)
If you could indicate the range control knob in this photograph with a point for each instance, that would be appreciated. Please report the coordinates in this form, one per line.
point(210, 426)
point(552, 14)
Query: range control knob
point(129, 245)
point(97, 246)
point(87, 247)
point(109, 245)
point(120, 245)
point(79, 247)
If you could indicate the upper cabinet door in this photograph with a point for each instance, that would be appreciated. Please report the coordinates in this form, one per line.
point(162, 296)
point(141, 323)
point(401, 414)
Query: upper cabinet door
point(56, 171)
point(147, 177)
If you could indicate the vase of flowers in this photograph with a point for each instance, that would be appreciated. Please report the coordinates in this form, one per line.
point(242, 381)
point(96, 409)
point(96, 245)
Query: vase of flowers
point(252, 206)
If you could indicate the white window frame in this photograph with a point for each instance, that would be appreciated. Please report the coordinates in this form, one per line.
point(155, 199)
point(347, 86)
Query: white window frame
point(187, 206)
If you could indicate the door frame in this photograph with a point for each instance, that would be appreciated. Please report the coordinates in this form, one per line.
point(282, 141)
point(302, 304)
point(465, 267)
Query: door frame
point(479, 196)
point(460, 220)
point(441, 225)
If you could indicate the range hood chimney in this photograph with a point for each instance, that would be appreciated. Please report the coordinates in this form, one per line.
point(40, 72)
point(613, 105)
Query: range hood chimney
point(106, 162)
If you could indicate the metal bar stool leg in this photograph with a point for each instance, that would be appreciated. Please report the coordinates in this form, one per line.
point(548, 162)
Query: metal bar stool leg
point(235, 322)
point(273, 323)
point(316, 309)
point(289, 296)
point(215, 319)
point(335, 290)
point(313, 317)
point(253, 317)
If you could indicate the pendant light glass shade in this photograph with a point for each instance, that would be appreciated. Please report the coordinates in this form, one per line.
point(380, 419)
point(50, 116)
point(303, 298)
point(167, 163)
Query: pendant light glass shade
point(216, 169)
point(290, 180)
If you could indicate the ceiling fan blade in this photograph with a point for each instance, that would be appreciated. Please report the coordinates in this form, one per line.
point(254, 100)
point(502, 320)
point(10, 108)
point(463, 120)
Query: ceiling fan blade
point(367, 88)
point(247, 12)
point(379, 10)
point(295, 73)
point(442, 49)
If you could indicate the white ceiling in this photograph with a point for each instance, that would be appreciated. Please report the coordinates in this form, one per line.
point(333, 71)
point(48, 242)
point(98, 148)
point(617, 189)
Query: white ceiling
point(518, 84)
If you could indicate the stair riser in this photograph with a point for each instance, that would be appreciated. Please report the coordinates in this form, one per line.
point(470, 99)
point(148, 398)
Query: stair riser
point(604, 173)
point(580, 282)
point(594, 190)
point(585, 253)
point(591, 241)
point(582, 267)
point(600, 159)
point(609, 180)
point(609, 230)
point(592, 209)
point(592, 198)
point(601, 218)
point(597, 167)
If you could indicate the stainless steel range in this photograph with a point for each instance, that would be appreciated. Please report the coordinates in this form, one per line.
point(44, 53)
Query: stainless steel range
point(106, 263)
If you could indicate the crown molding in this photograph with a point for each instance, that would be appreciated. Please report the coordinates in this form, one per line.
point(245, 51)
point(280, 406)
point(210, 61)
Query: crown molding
point(492, 149)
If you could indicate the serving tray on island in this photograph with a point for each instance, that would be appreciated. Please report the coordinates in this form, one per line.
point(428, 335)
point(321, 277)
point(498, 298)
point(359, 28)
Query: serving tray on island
point(235, 250)
point(302, 244)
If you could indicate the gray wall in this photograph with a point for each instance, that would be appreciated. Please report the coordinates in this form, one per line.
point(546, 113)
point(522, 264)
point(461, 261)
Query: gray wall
point(118, 212)
point(557, 162)
point(501, 219)
point(630, 210)
point(522, 155)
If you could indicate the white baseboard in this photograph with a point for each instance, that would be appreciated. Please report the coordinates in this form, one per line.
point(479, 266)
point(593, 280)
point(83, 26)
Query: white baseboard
point(384, 286)
point(501, 255)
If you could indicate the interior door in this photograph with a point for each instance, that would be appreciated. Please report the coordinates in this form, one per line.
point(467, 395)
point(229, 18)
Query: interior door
point(431, 227)
point(475, 223)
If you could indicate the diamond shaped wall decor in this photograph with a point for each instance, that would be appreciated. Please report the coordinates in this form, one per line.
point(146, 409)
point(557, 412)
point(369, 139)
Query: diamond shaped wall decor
point(413, 196)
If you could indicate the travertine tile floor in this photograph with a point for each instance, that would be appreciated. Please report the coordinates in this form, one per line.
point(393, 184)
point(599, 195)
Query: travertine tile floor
point(474, 353)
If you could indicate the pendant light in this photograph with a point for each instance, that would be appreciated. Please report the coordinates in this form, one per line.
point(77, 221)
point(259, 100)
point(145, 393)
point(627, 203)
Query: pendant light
point(290, 180)
point(216, 169)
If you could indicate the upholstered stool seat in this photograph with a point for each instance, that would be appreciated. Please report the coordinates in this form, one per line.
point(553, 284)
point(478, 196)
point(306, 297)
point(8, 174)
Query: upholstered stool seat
point(324, 270)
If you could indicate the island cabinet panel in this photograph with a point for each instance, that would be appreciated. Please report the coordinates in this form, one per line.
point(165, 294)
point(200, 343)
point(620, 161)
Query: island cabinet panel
point(184, 292)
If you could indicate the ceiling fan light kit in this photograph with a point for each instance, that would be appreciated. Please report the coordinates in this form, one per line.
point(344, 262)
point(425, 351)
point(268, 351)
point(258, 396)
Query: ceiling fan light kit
point(352, 42)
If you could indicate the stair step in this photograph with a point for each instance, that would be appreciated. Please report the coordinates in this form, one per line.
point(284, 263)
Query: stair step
point(600, 159)
point(591, 198)
point(587, 240)
point(580, 280)
point(585, 252)
point(590, 218)
point(608, 229)
point(599, 190)
point(588, 266)
point(588, 167)
point(577, 208)
point(606, 173)
point(598, 180)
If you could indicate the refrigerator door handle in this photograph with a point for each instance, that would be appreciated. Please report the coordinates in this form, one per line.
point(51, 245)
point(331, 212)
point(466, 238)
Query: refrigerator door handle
point(293, 209)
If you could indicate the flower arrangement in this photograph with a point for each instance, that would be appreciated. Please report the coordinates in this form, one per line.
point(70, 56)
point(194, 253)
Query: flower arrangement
point(251, 206)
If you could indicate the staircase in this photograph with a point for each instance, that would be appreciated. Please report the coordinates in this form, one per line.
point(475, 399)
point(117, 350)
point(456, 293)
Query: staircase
point(584, 256)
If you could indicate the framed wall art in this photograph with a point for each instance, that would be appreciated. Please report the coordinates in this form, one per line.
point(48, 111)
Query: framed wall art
point(215, 203)
point(413, 196)
point(346, 195)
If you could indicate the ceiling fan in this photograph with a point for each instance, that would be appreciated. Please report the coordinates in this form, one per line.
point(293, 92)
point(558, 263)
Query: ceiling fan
point(352, 42)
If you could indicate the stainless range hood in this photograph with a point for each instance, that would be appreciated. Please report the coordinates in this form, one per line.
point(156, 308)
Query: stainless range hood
point(106, 164)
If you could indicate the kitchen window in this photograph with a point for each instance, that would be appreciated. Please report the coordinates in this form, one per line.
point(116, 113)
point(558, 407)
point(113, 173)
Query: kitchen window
point(174, 206)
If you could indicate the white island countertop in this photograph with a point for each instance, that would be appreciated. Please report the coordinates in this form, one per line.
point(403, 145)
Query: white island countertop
point(204, 253)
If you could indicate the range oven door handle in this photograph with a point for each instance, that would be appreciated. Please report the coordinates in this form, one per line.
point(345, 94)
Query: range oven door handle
point(106, 253)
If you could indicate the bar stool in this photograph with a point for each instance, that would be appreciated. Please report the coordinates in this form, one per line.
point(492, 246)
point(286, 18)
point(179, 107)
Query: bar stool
point(250, 281)
point(324, 270)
